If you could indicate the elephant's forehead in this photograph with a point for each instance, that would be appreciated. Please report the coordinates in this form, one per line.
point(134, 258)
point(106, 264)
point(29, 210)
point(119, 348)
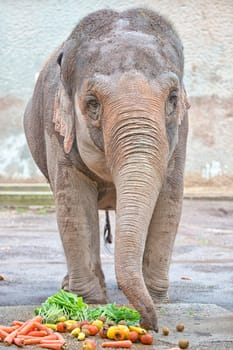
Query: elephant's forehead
point(132, 50)
point(126, 39)
point(123, 50)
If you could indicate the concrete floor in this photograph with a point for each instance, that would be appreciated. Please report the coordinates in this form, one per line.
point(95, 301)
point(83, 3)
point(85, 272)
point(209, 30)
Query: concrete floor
point(33, 264)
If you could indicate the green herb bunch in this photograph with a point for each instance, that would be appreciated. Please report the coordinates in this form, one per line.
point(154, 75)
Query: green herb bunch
point(73, 308)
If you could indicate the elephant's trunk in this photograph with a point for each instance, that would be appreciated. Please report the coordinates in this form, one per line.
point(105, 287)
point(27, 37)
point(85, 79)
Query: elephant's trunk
point(136, 197)
point(139, 154)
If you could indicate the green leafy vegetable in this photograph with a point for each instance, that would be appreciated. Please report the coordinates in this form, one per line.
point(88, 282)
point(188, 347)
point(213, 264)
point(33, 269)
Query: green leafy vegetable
point(72, 307)
point(115, 313)
point(63, 304)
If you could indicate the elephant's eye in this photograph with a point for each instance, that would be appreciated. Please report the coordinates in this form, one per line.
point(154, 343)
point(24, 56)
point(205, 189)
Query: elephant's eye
point(171, 103)
point(93, 106)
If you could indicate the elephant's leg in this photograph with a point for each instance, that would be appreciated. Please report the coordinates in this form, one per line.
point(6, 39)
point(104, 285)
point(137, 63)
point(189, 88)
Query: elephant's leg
point(78, 222)
point(65, 282)
point(164, 224)
point(159, 246)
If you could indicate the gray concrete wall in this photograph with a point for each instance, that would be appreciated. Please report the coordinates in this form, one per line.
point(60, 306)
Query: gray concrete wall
point(31, 30)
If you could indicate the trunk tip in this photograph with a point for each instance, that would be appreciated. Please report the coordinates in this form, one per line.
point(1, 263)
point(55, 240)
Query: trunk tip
point(150, 323)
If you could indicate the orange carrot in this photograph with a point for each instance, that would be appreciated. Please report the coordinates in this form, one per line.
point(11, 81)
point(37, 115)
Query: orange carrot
point(30, 325)
point(27, 327)
point(3, 334)
point(17, 323)
point(52, 337)
point(29, 337)
point(41, 327)
point(31, 341)
point(117, 344)
point(8, 329)
point(10, 337)
point(18, 341)
point(24, 336)
point(53, 346)
point(59, 337)
point(46, 341)
point(38, 319)
point(23, 328)
point(38, 340)
point(20, 328)
point(38, 333)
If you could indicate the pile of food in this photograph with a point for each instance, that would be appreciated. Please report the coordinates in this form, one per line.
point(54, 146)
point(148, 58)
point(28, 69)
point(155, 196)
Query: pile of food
point(65, 312)
point(31, 332)
point(72, 307)
point(114, 335)
point(65, 316)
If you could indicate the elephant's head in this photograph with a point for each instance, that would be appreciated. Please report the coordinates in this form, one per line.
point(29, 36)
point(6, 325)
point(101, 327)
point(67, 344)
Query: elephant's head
point(121, 97)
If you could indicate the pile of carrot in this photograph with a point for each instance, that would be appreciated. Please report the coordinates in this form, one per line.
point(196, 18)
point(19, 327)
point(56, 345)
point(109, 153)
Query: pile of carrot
point(31, 332)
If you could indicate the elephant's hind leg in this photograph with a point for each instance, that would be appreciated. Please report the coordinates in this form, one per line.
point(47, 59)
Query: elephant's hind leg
point(34, 133)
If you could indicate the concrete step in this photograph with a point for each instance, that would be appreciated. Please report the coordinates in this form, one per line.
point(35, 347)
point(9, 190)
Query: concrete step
point(25, 194)
point(36, 194)
point(209, 192)
point(24, 187)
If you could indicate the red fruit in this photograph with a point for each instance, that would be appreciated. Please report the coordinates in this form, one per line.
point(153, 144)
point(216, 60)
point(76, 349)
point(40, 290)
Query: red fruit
point(89, 344)
point(103, 333)
point(62, 327)
point(133, 336)
point(146, 339)
point(82, 323)
point(93, 330)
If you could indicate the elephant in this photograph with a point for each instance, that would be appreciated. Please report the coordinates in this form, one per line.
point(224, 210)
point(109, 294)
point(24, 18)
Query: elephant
point(107, 126)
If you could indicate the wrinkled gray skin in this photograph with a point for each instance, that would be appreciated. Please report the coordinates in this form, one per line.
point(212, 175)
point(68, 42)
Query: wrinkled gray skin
point(107, 126)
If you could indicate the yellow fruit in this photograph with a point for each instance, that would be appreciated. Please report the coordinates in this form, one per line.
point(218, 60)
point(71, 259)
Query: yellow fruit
point(75, 332)
point(111, 331)
point(139, 330)
point(125, 329)
point(52, 326)
point(62, 319)
point(71, 324)
point(81, 336)
point(114, 332)
point(98, 323)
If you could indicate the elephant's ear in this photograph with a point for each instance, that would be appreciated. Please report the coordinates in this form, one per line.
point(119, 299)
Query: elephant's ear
point(184, 104)
point(63, 117)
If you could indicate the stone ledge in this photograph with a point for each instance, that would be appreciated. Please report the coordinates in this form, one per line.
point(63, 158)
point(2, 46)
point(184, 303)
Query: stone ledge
point(29, 194)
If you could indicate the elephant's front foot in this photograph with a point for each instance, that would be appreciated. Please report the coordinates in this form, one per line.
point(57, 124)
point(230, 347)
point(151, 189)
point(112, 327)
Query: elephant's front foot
point(92, 293)
point(95, 295)
point(65, 283)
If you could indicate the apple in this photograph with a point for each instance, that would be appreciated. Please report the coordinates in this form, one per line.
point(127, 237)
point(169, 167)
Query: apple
point(89, 344)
